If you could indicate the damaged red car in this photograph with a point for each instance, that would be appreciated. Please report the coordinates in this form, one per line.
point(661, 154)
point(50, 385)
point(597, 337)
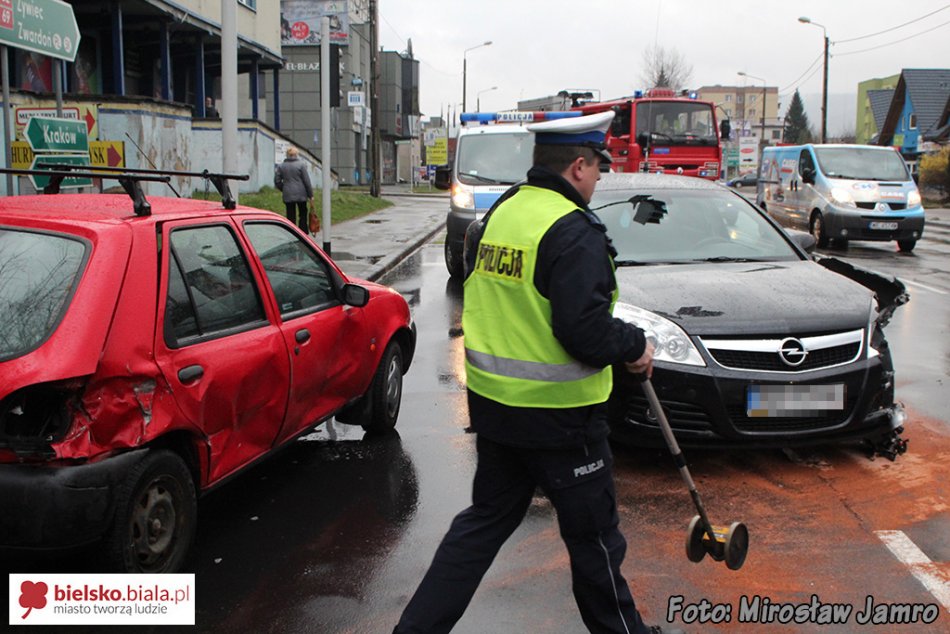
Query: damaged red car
point(150, 351)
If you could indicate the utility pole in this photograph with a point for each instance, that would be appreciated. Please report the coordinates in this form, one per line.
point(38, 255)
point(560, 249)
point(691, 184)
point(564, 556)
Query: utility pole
point(824, 97)
point(374, 186)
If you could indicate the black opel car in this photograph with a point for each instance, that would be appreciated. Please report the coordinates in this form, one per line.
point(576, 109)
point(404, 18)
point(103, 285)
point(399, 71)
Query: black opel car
point(758, 342)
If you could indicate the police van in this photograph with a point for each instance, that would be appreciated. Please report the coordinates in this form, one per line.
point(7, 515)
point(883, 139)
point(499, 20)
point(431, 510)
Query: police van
point(493, 151)
point(842, 192)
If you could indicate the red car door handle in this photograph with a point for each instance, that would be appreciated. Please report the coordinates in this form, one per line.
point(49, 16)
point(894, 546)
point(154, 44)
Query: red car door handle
point(302, 336)
point(191, 373)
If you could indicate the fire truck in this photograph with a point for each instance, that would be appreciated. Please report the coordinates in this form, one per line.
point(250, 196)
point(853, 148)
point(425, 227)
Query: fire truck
point(661, 132)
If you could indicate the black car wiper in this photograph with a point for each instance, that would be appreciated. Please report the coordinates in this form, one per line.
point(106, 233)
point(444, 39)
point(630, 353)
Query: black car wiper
point(726, 258)
point(650, 263)
point(630, 263)
point(484, 179)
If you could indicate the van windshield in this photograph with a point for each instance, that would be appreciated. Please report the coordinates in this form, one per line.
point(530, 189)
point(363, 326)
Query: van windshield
point(489, 159)
point(856, 163)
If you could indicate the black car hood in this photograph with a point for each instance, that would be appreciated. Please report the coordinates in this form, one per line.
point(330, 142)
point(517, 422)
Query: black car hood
point(753, 298)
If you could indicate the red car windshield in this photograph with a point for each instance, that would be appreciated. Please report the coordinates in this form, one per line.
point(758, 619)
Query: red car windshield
point(38, 272)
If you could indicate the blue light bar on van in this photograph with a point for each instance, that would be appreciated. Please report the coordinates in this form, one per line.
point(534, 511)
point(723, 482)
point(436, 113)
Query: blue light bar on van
point(514, 116)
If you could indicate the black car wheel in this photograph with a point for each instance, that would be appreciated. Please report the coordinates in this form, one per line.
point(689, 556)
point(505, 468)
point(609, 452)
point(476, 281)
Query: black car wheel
point(155, 516)
point(385, 392)
point(906, 246)
point(453, 261)
point(817, 227)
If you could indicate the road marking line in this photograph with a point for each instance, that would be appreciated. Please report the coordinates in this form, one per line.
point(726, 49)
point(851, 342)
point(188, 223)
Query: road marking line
point(919, 564)
point(925, 287)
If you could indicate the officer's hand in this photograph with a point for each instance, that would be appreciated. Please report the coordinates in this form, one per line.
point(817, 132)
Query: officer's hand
point(643, 365)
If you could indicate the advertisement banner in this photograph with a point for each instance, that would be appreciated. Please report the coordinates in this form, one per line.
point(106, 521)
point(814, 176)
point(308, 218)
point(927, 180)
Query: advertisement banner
point(102, 599)
point(300, 22)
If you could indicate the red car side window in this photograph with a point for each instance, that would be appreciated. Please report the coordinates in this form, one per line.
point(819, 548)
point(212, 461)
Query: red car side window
point(210, 287)
point(300, 278)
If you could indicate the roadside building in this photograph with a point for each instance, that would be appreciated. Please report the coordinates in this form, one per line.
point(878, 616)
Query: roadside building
point(916, 120)
point(874, 99)
point(142, 79)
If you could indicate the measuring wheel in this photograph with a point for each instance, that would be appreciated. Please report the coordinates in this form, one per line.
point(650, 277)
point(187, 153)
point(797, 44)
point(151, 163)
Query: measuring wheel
point(737, 545)
point(695, 551)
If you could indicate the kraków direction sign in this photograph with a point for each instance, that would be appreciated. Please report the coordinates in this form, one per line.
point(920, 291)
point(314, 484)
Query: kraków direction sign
point(57, 135)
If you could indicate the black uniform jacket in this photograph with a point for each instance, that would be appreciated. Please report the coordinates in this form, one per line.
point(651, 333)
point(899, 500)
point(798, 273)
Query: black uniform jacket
point(575, 274)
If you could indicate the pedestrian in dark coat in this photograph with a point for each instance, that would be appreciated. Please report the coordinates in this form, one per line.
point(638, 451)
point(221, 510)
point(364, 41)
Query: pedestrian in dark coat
point(293, 180)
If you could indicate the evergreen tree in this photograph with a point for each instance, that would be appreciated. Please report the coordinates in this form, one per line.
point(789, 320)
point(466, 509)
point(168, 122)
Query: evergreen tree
point(797, 129)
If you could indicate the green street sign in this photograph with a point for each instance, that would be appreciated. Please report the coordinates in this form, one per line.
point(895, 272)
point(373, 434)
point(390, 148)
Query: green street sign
point(42, 160)
point(57, 135)
point(42, 26)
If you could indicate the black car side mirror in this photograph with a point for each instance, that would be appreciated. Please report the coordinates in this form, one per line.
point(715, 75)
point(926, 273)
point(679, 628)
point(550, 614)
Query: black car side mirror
point(805, 241)
point(808, 175)
point(443, 177)
point(355, 295)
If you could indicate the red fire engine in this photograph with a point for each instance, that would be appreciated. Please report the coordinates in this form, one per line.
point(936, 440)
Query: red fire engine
point(661, 132)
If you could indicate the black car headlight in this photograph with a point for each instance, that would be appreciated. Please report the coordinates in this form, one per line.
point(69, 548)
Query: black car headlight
point(672, 343)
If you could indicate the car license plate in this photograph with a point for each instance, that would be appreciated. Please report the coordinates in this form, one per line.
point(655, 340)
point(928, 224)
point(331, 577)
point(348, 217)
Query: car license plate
point(793, 400)
point(889, 226)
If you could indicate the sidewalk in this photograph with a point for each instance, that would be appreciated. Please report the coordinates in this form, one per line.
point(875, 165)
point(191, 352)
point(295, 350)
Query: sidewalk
point(370, 246)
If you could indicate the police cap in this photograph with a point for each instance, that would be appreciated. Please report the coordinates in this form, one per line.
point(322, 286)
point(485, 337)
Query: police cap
point(587, 131)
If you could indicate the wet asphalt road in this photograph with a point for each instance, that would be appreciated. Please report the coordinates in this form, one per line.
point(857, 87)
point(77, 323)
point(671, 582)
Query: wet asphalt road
point(333, 534)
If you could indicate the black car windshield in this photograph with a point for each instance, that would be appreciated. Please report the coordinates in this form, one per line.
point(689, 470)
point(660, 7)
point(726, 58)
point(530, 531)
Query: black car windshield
point(486, 159)
point(862, 163)
point(38, 272)
point(680, 226)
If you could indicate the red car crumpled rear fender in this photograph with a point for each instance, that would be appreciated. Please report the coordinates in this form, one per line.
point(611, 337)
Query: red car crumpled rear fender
point(120, 413)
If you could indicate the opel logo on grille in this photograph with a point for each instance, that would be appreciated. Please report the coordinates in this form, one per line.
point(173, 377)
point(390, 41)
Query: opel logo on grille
point(793, 352)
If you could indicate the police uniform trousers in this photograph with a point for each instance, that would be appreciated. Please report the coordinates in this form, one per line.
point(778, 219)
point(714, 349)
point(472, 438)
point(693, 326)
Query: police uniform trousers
point(579, 483)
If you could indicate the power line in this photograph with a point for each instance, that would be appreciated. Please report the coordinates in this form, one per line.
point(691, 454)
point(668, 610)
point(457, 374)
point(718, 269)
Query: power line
point(796, 84)
point(792, 85)
point(909, 37)
point(894, 28)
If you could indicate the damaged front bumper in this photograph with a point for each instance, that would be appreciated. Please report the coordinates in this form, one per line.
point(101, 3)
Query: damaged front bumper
point(57, 506)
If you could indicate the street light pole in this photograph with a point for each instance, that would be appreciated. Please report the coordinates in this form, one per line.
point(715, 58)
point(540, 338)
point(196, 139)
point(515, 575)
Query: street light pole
point(824, 86)
point(762, 134)
point(465, 68)
point(478, 98)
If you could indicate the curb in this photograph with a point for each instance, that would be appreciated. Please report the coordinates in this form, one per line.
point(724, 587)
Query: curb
point(391, 261)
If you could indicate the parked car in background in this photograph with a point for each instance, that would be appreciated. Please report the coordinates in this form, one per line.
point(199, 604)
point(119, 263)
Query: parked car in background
point(147, 357)
point(757, 344)
point(841, 193)
point(746, 180)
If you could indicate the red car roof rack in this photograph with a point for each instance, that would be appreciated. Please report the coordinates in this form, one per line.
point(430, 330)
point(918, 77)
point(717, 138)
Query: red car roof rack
point(130, 178)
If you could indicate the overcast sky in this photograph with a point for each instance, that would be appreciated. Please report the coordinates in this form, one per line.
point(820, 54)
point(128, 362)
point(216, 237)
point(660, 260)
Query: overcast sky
point(539, 48)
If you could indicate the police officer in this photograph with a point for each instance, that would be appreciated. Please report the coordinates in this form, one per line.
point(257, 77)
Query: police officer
point(540, 341)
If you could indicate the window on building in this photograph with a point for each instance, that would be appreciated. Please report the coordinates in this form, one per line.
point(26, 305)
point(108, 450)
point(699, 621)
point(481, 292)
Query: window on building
point(776, 134)
point(912, 122)
point(251, 4)
point(728, 98)
point(752, 98)
point(752, 113)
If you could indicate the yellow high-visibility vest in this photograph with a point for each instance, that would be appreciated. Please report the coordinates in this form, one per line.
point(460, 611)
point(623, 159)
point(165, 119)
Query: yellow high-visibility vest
point(511, 354)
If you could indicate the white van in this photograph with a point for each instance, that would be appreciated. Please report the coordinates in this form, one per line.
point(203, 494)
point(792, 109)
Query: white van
point(842, 192)
point(493, 152)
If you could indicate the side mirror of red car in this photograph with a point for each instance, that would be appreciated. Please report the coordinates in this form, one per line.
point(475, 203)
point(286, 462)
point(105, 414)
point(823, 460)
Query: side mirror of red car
point(355, 295)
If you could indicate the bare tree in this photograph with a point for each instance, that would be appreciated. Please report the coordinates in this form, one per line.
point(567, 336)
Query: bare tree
point(665, 68)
